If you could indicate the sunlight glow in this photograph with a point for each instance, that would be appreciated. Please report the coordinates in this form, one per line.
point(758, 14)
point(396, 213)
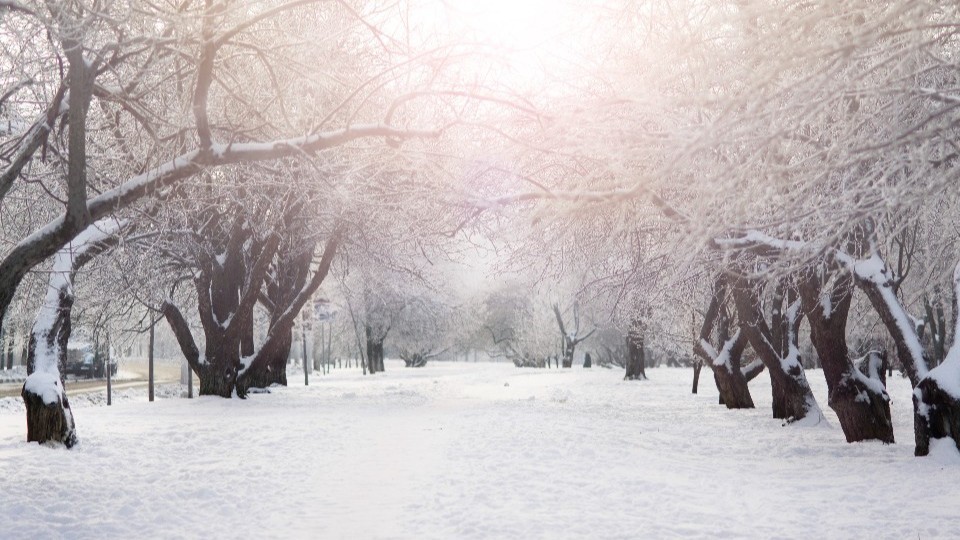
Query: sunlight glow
point(531, 37)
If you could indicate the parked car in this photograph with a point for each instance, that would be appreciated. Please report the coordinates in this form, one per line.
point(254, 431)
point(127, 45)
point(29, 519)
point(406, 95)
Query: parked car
point(84, 362)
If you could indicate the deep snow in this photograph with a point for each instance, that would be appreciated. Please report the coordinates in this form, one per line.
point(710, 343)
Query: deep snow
point(470, 451)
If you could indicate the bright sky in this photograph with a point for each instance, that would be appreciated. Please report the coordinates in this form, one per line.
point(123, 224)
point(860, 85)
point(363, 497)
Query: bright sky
point(530, 36)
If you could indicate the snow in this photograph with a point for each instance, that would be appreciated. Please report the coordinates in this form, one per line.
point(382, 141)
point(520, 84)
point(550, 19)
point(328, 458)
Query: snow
point(46, 385)
point(826, 304)
point(754, 237)
point(471, 451)
point(947, 374)
point(944, 451)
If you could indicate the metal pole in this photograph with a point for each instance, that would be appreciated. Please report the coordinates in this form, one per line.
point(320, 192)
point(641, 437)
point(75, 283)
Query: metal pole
point(109, 386)
point(303, 338)
point(150, 361)
point(329, 346)
point(189, 382)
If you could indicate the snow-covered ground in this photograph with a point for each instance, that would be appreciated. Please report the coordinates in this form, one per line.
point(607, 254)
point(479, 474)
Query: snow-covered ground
point(470, 451)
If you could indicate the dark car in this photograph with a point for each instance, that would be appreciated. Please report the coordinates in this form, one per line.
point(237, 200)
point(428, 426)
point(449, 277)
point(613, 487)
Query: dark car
point(82, 362)
point(80, 365)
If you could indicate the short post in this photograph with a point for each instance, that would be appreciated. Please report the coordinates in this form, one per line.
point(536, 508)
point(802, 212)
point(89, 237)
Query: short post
point(189, 382)
point(150, 361)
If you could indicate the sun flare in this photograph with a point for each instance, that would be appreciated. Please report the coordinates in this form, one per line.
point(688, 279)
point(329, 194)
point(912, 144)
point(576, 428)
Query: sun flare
point(530, 37)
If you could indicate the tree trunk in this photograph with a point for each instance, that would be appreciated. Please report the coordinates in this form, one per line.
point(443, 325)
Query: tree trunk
point(793, 398)
point(731, 384)
point(49, 417)
point(374, 351)
point(636, 361)
point(725, 361)
point(414, 360)
point(569, 347)
point(273, 370)
point(697, 367)
point(861, 403)
point(218, 377)
point(6, 359)
point(936, 415)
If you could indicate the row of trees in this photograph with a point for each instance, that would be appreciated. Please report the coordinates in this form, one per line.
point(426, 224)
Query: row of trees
point(779, 171)
point(790, 165)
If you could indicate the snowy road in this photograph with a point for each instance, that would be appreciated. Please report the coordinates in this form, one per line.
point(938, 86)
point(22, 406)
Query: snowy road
point(470, 451)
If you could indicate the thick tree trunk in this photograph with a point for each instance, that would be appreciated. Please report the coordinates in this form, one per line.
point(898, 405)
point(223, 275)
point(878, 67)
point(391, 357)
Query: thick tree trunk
point(218, 376)
point(793, 399)
point(374, 351)
point(936, 414)
point(725, 361)
point(218, 370)
point(272, 371)
point(730, 381)
point(569, 348)
point(49, 417)
point(636, 358)
point(861, 402)
point(49, 421)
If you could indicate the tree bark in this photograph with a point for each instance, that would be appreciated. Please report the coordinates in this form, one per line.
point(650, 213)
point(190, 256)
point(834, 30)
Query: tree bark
point(861, 403)
point(273, 370)
point(636, 359)
point(724, 361)
point(794, 400)
point(49, 417)
point(697, 367)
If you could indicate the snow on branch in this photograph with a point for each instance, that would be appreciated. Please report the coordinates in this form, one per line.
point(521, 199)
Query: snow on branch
point(609, 196)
